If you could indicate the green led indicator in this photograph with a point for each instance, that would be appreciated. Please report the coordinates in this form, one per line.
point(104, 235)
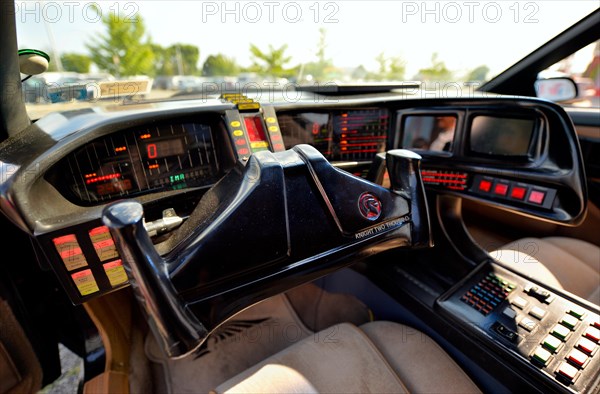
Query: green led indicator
point(177, 178)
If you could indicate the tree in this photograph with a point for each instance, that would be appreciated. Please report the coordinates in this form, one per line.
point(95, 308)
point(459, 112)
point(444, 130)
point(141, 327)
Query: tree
point(437, 72)
point(220, 65)
point(323, 68)
point(271, 63)
point(390, 68)
point(178, 59)
point(76, 62)
point(125, 48)
point(478, 74)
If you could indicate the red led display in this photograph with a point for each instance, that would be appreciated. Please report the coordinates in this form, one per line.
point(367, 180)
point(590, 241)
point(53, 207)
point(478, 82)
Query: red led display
point(518, 192)
point(501, 189)
point(536, 197)
point(485, 186)
point(255, 129)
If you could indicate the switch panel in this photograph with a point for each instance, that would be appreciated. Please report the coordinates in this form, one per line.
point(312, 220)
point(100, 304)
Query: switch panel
point(557, 336)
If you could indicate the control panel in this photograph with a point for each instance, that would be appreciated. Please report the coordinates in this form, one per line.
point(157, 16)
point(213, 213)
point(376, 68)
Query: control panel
point(252, 127)
point(551, 334)
point(85, 260)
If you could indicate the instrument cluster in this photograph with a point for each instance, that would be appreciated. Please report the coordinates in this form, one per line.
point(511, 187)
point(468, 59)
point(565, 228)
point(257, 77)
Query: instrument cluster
point(151, 158)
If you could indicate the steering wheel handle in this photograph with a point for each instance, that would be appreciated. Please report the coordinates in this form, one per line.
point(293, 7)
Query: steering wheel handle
point(281, 220)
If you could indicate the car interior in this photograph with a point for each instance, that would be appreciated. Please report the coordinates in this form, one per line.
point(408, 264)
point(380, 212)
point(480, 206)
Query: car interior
point(354, 239)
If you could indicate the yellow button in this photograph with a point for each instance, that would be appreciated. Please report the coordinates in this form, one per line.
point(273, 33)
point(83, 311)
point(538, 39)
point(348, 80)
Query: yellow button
point(238, 133)
point(235, 123)
point(270, 119)
point(259, 144)
point(273, 128)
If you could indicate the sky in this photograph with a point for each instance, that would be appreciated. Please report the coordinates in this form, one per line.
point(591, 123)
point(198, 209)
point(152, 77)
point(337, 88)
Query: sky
point(465, 34)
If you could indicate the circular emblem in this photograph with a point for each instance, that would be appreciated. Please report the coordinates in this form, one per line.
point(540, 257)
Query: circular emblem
point(369, 206)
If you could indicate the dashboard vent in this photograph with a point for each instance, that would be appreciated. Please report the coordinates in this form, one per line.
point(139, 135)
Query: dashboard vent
point(453, 180)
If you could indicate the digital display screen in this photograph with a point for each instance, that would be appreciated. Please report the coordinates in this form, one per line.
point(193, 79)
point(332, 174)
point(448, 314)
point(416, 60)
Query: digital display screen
point(165, 148)
point(492, 135)
point(429, 132)
point(346, 135)
point(167, 156)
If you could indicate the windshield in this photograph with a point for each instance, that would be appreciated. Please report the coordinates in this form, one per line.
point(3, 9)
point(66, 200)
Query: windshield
point(169, 48)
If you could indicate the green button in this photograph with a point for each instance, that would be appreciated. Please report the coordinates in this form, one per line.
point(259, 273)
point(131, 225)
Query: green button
point(577, 312)
point(560, 331)
point(551, 343)
point(569, 321)
point(541, 355)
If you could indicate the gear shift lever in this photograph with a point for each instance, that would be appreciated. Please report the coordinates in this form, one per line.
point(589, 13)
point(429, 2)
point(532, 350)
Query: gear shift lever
point(404, 168)
point(167, 315)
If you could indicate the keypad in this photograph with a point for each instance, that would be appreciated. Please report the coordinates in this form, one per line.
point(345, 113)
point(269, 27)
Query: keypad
point(488, 293)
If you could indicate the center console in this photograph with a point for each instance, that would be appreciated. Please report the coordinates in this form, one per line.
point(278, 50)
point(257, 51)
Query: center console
point(546, 332)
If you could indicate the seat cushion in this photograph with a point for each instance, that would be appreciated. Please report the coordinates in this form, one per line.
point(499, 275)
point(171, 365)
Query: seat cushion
point(560, 262)
point(348, 359)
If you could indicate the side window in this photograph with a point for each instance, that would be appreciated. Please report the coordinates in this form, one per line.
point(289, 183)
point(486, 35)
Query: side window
point(583, 67)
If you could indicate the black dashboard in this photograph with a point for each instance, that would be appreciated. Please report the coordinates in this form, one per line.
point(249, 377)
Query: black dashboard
point(515, 153)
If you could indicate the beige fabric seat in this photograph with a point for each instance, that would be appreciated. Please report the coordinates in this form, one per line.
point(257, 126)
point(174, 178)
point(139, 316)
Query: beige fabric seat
point(377, 357)
point(560, 262)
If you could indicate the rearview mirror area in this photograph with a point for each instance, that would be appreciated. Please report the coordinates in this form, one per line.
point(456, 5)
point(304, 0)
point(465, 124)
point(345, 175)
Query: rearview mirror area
point(556, 89)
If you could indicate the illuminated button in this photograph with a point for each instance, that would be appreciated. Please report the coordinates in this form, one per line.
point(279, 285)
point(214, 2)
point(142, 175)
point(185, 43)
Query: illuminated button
point(243, 151)
point(278, 147)
point(592, 334)
point(85, 282)
point(519, 302)
point(560, 331)
point(273, 129)
point(578, 358)
point(501, 189)
point(536, 197)
point(585, 345)
point(70, 252)
point(115, 272)
point(276, 137)
point(541, 355)
point(569, 321)
point(270, 119)
point(567, 371)
point(485, 186)
point(577, 312)
point(103, 243)
point(240, 142)
point(537, 312)
point(527, 324)
point(518, 192)
point(235, 123)
point(552, 343)
point(238, 133)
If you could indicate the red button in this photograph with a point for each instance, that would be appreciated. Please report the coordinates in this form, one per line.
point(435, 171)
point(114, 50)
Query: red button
point(576, 357)
point(592, 333)
point(485, 186)
point(536, 197)
point(568, 371)
point(586, 345)
point(243, 151)
point(501, 189)
point(518, 192)
point(240, 142)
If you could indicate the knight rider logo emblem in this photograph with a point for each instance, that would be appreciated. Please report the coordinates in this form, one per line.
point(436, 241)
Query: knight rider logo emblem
point(369, 206)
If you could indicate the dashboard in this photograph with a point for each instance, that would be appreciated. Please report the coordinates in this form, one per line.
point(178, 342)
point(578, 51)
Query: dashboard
point(514, 153)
